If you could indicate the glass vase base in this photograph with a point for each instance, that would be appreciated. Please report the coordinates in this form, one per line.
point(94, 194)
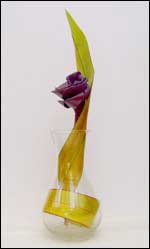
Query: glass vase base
point(65, 229)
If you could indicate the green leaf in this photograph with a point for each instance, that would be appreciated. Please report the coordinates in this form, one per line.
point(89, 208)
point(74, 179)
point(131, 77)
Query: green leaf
point(73, 149)
point(83, 58)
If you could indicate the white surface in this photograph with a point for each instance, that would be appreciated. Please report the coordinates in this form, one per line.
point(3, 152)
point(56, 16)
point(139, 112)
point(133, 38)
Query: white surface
point(37, 54)
point(127, 233)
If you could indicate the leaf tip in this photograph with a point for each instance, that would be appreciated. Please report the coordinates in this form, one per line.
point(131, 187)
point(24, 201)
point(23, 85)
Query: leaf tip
point(67, 13)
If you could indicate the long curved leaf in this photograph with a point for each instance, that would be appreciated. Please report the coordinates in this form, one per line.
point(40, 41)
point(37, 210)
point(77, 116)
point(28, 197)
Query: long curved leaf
point(72, 153)
point(83, 58)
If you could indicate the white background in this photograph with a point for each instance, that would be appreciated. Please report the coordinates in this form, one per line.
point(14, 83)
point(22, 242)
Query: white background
point(37, 54)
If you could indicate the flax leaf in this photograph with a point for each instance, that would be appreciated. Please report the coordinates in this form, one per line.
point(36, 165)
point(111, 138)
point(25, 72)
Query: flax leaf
point(71, 156)
point(83, 58)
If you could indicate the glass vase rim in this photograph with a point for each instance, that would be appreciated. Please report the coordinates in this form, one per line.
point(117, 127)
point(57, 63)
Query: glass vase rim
point(60, 131)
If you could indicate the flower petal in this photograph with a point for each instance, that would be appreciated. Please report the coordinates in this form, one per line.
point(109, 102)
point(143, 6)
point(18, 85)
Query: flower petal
point(63, 103)
point(76, 100)
point(64, 91)
point(74, 76)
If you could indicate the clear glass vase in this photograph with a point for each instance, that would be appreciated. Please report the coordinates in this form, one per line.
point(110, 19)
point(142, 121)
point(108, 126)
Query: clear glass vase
point(71, 211)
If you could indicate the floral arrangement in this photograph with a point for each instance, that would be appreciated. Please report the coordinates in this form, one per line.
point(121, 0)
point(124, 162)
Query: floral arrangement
point(74, 93)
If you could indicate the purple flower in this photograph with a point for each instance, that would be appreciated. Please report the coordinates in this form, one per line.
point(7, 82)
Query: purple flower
point(73, 92)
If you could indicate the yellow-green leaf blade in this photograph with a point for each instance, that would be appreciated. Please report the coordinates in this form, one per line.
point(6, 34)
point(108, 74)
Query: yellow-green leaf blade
point(83, 58)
